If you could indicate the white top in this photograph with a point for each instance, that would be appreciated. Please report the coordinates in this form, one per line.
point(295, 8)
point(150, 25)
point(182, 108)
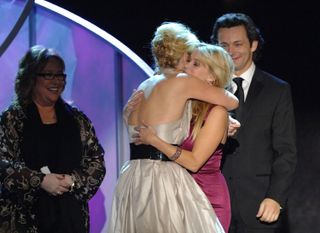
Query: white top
point(171, 132)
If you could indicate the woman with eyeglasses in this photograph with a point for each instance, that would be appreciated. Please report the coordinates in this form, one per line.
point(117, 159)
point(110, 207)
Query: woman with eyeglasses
point(51, 162)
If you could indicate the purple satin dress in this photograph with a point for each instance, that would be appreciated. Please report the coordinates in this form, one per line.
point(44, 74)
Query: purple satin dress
point(213, 184)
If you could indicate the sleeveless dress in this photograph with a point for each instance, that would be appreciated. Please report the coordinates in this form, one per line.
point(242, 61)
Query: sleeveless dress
point(213, 183)
point(154, 196)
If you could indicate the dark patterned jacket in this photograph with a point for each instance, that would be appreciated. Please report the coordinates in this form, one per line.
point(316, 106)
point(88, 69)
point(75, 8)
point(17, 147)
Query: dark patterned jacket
point(19, 184)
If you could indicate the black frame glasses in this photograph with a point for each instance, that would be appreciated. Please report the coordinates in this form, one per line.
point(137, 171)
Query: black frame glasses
point(51, 76)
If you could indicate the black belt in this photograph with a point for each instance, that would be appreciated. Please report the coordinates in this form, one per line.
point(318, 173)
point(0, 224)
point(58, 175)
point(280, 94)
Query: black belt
point(146, 152)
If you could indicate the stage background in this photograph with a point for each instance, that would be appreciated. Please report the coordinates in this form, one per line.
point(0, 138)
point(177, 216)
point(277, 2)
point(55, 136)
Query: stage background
point(292, 33)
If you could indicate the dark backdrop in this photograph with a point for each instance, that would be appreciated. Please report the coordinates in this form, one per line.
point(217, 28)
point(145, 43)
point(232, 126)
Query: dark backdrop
point(291, 31)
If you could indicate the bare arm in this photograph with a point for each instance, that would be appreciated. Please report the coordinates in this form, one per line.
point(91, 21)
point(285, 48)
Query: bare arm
point(207, 140)
point(194, 88)
point(188, 88)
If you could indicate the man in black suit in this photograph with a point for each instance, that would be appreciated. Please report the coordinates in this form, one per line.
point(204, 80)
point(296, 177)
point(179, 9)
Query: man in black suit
point(260, 158)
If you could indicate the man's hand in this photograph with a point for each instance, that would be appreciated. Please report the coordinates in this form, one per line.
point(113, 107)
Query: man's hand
point(269, 210)
point(234, 125)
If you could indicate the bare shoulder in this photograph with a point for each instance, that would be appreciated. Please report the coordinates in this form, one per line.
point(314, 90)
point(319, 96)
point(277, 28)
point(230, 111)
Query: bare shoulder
point(182, 75)
point(178, 82)
point(185, 76)
point(185, 79)
point(217, 118)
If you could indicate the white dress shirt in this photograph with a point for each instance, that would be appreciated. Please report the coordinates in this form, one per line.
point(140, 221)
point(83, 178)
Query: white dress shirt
point(247, 78)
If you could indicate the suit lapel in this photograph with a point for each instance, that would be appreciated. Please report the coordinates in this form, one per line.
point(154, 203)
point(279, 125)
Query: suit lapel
point(254, 90)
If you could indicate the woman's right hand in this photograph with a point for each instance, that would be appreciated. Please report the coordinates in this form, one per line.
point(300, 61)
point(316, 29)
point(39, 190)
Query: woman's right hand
point(133, 102)
point(145, 135)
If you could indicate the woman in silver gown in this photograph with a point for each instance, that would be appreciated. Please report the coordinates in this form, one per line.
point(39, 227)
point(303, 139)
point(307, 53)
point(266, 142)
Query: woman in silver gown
point(154, 194)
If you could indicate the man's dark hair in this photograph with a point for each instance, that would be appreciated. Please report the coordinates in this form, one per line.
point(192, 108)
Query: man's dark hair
point(237, 19)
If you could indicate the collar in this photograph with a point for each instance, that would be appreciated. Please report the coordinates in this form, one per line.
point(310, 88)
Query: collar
point(248, 74)
point(247, 78)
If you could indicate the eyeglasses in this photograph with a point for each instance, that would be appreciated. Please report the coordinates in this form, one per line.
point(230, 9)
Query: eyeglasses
point(51, 76)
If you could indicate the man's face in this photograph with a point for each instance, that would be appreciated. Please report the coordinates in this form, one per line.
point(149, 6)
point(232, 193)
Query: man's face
point(235, 41)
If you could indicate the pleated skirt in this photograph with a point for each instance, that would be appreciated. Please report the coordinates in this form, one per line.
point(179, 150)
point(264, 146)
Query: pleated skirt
point(154, 196)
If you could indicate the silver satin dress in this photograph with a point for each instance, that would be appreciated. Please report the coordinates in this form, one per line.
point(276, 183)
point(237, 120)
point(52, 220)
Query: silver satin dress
point(155, 196)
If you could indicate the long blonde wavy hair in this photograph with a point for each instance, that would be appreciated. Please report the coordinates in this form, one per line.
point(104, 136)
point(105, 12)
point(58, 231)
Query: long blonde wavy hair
point(220, 64)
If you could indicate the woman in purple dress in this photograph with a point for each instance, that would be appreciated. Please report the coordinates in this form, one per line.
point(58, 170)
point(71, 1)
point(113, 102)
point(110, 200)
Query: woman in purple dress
point(213, 184)
point(202, 151)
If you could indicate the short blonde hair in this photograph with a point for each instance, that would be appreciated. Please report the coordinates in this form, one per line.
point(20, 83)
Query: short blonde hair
point(220, 64)
point(171, 41)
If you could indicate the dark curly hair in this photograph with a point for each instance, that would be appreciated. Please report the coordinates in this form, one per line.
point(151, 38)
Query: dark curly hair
point(236, 19)
point(30, 64)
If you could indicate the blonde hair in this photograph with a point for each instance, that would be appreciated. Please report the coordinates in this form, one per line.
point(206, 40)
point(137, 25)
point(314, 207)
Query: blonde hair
point(220, 64)
point(171, 41)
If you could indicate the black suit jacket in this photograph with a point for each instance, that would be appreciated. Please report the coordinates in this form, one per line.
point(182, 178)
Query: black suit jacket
point(260, 160)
